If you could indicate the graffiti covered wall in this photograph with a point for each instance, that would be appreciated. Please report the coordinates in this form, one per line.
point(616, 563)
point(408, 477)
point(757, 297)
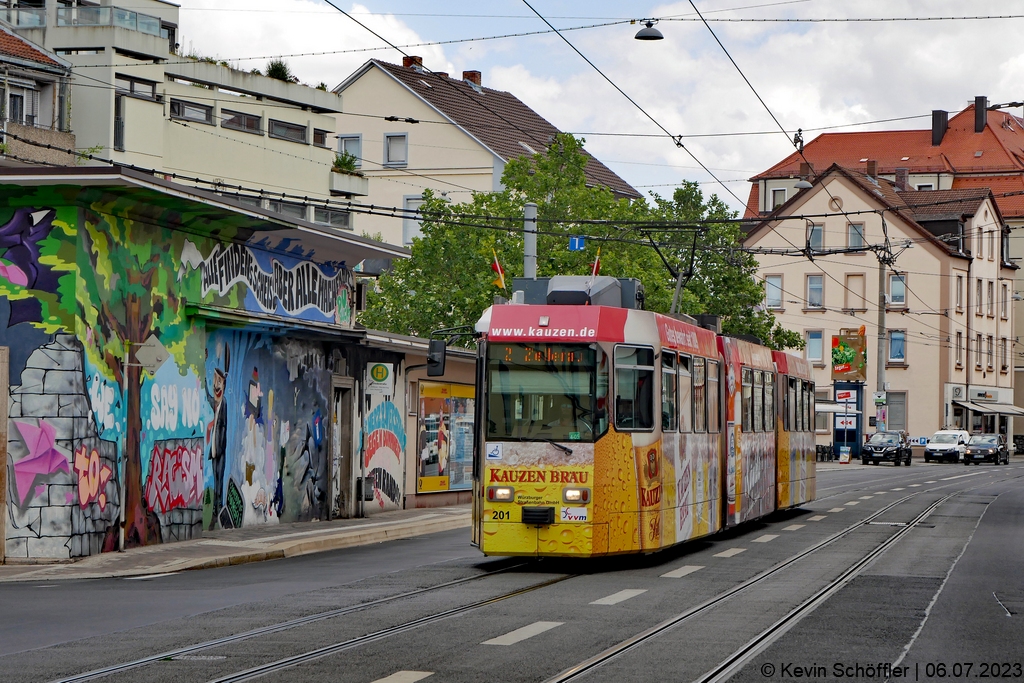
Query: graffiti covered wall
point(228, 431)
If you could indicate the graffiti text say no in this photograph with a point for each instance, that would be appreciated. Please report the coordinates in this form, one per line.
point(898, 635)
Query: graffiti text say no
point(166, 407)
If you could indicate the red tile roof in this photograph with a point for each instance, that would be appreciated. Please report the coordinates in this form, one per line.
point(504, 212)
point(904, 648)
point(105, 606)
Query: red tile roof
point(15, 46)
point(753, 202)
point(1008, 191)
point(498, 119)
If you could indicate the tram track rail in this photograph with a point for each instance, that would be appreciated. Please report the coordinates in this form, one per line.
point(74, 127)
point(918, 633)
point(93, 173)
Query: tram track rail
point(273, 628)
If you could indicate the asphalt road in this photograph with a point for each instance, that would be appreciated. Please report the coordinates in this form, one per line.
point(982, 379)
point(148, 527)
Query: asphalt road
point(945, 596)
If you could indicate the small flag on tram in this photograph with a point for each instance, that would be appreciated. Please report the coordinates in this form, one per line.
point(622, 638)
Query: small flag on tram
point(496, 267)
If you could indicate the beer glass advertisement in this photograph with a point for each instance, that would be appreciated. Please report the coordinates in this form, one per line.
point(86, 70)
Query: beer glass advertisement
point(849, 356)
point(445, 437)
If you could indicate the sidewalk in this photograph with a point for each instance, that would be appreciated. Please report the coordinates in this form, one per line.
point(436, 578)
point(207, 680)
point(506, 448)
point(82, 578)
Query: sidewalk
point(250, 544)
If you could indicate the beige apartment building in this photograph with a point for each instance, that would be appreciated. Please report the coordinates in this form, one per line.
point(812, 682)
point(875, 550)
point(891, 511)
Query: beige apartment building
point(949, 319)
point(413, 129)
point(137, 101)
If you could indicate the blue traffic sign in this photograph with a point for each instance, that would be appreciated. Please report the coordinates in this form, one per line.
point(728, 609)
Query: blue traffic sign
point(577, 243)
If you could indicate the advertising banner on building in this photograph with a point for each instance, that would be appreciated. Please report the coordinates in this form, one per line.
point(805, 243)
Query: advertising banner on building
point(445, 437)
point(849, 356)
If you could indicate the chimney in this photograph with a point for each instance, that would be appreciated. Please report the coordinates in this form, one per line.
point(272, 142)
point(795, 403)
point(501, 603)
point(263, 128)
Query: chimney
point(902, 179)
point(412, 62)
point(872, 168)
point(443, 74)
point(980, 113)
point(471, 76)
point(940, 123)
point(805, 170)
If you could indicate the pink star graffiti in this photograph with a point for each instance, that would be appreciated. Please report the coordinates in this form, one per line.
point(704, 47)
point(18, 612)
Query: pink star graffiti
point(43, 458)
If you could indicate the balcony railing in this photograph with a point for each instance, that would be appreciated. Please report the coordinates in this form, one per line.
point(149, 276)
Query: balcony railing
point(23, 17)
point(109, 16)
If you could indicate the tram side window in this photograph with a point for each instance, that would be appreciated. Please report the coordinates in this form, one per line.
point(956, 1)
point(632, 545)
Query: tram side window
point(808, 407)
point(798, 426)
point(685, 395)
point(747, 419)
point(669, 392)
point(791, 404)
point(700, 423)
point(714, 404)
point(634, 387)
point(758, 401)
point(769, 402)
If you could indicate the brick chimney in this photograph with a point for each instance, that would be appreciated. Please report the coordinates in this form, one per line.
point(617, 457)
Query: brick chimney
point(443, 74)
point(980, 113)
point(472, 77)
point(872, 169)
point(412, 62)
point(805, 170)
point(940, 123)
point(902, 179)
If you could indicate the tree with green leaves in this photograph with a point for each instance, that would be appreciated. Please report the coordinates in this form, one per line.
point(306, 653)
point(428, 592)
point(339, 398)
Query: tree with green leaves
point(448, 280)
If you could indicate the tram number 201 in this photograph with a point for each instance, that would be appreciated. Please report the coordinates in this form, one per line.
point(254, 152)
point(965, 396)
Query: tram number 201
point(501, 514)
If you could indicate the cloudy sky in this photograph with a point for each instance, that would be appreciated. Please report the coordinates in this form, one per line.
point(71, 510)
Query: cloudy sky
point(812, 75)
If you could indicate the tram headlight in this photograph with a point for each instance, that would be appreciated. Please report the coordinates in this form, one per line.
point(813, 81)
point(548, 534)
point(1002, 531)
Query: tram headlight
point(501, 494)
point(576, 495)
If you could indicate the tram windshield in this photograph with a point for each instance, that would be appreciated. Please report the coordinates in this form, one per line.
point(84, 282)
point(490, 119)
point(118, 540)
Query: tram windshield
point(547, 392)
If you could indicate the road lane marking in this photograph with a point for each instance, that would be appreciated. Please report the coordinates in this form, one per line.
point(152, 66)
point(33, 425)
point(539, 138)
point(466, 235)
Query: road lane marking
point(914, 485)
point(731, 552)
point(765, 538)
point(794, 527)
point(866, 497)
point(621, 596)
point(682, 571)
point(853, 502)
point(520, 634)
point(405, 677)
point(931, 482)
point(149, 576)
point(816, 518)
point(961, 476)
point(837, 509)
point(899, 489)
point(879, 493)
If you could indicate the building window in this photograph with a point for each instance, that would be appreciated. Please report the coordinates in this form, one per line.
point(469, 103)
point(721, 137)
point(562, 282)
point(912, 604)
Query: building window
point(1004, 354)
point(342, 220)
point(855, 292)
point(351, 144)
point(190, 111)
point(898, 290)
point(925, 187)
point(16, 112)
point(815, 291)
point(896, 402)
point(411, 227)
point(136, 87)
point(979, 292)
point(119, 123)
point(981, 244)
point(778, 197)
point(897, 346)
point(288, 209)
point(855, 236)
point(283, 130)
point(821, 419)
point(991, 299)
point(816, 237)
point(634, 388)
point(991, 245)
point(396, 150)
point(959, 292)
point(320, 137)
point(977, 351)
point(959, 348)
point(990, 351)
point(1004, 302)
point(773, 291)
point(815, 346)
point(236, 120)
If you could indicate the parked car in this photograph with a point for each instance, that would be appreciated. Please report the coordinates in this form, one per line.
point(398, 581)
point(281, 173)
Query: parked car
point(987, 448)
point(947, 445)
point(891, 447)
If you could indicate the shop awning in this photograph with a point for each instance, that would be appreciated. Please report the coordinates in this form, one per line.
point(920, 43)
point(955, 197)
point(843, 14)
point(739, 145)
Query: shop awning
point(992, 408)
point(830, 407)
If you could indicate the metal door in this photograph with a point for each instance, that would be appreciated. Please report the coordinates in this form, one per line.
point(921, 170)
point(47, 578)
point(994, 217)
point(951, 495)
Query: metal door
point(342, 481)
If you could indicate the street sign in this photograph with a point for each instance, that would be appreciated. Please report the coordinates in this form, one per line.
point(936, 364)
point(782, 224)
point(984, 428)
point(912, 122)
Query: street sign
point(846, 421)
point(380, 379)
point(151, 354)
point(879, 397)
point(577, 243)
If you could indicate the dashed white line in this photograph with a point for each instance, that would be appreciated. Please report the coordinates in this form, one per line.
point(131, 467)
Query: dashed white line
point(520, 634)
point(731, 552)
point(866, 497)
point(405, 677)
point(899, 489)
point(879, 493)
point(148, 576)
point(765, 538)
point(621, 596)
point(816, 518)
point(852, 502)
point(837, 509)
point(961, 476)
point(931, 482)
point(794, 527)
point(914, 485)
point(682, 571)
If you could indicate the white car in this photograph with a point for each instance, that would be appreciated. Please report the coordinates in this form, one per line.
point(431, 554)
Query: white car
point(947, 445)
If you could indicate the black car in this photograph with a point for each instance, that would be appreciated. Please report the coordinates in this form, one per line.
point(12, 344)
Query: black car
point(987, 448)
point(891, 447)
